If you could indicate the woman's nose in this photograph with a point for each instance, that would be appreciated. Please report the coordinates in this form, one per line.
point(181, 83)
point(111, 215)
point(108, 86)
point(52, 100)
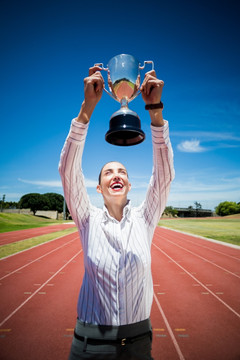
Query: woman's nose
point(116, 177)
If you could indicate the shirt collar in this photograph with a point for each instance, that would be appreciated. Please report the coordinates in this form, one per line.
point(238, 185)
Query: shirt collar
point(126, 212)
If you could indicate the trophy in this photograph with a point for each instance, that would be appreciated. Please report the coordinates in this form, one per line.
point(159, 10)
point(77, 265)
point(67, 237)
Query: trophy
point(124, 83)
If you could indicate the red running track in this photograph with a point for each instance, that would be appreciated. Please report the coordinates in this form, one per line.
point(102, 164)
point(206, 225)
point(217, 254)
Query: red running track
point(13, 236)
point(195, 313)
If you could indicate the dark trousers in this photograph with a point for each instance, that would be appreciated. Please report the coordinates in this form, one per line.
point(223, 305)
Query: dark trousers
point(125, 342)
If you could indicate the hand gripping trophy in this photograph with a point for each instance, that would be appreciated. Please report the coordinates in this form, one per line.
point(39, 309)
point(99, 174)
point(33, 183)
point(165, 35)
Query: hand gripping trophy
point(124, 83)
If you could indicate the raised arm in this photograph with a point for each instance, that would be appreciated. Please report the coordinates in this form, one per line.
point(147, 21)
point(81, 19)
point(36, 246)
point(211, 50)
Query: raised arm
point(163, 170)
point(70, 166)
point(93, 87)
point(151, 93)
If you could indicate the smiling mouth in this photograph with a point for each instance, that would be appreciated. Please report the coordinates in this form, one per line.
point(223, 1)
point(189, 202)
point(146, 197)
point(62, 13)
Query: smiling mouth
point(116, 186)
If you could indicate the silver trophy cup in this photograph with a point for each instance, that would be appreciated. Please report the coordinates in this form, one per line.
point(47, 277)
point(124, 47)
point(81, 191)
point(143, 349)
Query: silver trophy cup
point(124, 83)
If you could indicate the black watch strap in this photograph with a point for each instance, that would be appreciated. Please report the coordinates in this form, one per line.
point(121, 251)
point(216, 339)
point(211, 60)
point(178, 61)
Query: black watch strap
point(154, 106)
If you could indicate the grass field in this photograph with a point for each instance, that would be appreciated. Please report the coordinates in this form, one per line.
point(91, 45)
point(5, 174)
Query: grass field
point(12, 222)
point(13, 248)
point(225, 229)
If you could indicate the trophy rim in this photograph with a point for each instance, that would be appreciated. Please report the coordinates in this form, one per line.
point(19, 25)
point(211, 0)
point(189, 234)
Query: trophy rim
point(111, 138)
point(124, 55)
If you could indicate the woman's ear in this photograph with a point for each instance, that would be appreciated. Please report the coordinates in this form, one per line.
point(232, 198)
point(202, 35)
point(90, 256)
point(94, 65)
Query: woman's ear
point(99, 189)
point(129, 186)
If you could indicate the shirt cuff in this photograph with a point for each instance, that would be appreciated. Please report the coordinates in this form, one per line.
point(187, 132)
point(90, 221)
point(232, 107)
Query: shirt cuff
point(78, 131)
point(160, 135)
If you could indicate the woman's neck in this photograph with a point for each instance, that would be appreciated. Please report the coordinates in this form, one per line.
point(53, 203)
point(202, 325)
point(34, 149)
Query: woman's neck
point(116, 210)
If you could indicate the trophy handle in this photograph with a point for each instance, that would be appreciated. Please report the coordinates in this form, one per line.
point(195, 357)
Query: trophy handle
point(100, 65)
point(141, 68)
point(147, 62)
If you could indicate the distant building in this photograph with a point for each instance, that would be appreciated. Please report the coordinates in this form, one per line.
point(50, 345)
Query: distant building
point(192, 212)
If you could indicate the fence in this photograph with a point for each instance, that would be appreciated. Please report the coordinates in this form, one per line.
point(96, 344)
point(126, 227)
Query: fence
point(48, 214)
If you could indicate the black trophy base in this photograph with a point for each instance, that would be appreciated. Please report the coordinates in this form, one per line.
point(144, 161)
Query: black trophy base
point(125, 130)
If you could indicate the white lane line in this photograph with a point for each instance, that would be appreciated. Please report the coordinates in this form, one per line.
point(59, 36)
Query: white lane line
point(200, 245)
point(31, 262)
point(218, 242)
point(33, 247)
point(37, 291)
point(206, 288)
point(175, 343)
point(206, 260)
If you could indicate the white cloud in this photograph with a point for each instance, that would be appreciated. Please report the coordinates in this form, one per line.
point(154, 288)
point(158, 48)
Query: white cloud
point(184, 191)
point(207, 135)
point(208, 192)
point(139, 185)
point(13, 196)
point(219, 185)
point(207, 200)
point(191, 146)
point(55, 183)
point(90, 183)
point(43, 183)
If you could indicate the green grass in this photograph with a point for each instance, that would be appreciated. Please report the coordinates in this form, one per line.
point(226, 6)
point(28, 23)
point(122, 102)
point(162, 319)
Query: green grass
point(12, 222)
point(13, 248)
point(226, 229)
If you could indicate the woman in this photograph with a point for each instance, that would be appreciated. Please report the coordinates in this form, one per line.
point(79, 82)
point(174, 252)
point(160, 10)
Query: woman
point(116, 295)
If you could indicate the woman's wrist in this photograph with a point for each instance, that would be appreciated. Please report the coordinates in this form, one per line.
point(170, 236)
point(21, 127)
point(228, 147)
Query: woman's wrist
point(156, 117)
point(85, 113)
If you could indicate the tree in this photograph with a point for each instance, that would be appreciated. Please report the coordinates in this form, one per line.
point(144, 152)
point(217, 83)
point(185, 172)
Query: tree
point(198, 207)
point(34, 201)
point(227, 208)
point(48, 201)
point(2, 202)
point(170, 211)
point(55, 201)
point(10, 205)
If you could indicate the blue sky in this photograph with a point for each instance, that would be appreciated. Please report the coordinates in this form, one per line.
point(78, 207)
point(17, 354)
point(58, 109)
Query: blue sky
point(47, 48)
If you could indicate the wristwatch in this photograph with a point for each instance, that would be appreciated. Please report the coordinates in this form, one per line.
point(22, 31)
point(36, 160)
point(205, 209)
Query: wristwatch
point(154, 106)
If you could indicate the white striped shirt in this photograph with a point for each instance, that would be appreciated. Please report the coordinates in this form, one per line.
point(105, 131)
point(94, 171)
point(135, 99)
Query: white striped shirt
point(117, 286)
